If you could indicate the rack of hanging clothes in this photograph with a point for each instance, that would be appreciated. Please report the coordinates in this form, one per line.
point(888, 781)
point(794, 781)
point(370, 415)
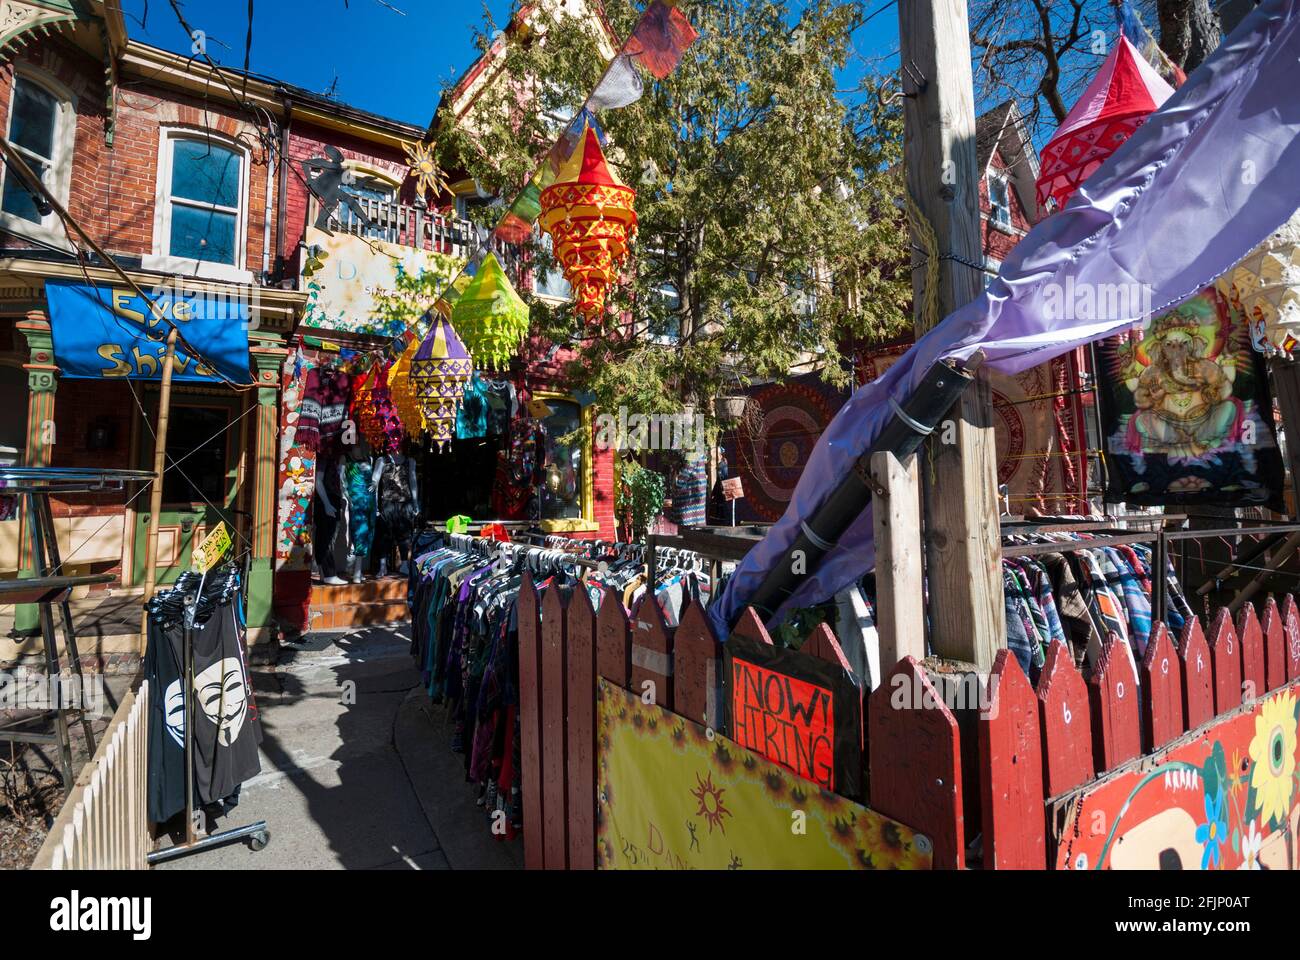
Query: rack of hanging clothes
point(1080, 582)
point(465, 642)
point(204, 728)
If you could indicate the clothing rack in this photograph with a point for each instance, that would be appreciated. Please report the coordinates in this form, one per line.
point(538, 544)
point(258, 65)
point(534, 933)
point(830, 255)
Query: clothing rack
point(486, 546)
point(1160, 538)
point(257, 832)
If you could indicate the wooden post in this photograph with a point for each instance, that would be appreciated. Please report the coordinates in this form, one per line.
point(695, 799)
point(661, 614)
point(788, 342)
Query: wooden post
point(900, 599)
point(155, 494)
point(962, 536)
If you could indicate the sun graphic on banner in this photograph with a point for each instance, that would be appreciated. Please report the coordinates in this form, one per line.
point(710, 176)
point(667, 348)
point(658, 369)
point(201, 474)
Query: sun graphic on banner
point(424, 168)
point(711, 806)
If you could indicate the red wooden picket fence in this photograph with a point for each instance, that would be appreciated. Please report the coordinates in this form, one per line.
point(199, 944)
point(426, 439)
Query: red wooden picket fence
point(1038, 746)
point(997, 764)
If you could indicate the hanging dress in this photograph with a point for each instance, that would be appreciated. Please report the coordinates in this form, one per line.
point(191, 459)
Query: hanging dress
point(396, 499)
point(361, 507)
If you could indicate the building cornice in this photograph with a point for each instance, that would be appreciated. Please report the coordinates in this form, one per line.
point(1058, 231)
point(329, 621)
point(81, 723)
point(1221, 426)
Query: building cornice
point(22, 283)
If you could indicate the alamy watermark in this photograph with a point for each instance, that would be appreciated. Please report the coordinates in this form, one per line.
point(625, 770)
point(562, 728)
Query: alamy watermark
point(651, 431)
point(1073, 300)
point(183, 299)
point(29, 690)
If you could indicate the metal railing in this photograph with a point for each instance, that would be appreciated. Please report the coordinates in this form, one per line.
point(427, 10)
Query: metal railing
point(104, 823)
point(414, 225)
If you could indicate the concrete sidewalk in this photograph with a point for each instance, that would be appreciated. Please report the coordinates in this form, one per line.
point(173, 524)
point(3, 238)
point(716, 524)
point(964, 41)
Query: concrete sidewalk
point(357, 770)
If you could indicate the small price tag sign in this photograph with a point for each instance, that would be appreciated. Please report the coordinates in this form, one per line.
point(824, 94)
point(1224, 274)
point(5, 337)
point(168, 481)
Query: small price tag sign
point(209, 551)
point(732, 488)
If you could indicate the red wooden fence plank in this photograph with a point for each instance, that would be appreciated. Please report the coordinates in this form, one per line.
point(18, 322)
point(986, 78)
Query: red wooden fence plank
point(1011, 785)
point(1274, 645)
point(1251, 638)
point(1066, 723)
point(1225, 655)
point(1291, 629)
point(613, 643)
point(751, 627)
point(823, 644)
point(652, 655)
point(1162, 682)
point(581, 699)
point(1113, 693)
point(555, 814)
point(530, 722)
point(697, 674)
point(915, 761)
point(1198, 675)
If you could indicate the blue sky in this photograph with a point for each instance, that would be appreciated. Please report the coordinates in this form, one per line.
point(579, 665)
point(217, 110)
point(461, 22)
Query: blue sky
point(388, 63)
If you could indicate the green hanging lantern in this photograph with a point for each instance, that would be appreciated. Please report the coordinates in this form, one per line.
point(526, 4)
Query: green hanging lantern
point(490, 317)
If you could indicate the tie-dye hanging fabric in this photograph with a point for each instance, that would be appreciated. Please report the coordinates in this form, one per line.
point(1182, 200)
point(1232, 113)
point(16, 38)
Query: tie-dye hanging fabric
point(1186, 411)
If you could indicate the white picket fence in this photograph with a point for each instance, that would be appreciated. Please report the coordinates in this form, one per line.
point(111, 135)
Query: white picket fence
point(104, 822)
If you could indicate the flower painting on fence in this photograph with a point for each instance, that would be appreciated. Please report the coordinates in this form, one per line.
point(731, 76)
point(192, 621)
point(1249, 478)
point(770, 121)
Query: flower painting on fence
point(1187, 413)
point(672, 795)
point(1226, 799)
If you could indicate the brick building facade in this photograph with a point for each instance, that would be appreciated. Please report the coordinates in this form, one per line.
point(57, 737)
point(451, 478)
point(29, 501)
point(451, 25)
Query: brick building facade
point(111, 126)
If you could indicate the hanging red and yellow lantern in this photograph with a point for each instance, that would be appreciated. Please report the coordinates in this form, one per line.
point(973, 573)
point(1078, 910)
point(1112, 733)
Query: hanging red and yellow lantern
point(588, 214)
point(402, 391)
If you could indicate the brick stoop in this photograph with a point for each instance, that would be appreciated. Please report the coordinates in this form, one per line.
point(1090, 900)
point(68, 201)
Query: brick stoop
point(358, 604)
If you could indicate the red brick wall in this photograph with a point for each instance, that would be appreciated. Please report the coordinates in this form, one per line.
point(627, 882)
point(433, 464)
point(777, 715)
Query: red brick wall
point(112, 192)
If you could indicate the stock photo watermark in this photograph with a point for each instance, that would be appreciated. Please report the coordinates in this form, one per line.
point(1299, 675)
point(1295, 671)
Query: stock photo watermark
point(651, 431)
point(28, 690)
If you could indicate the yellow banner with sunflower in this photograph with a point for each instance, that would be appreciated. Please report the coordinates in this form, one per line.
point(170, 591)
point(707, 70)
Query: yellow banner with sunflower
point(671, 795)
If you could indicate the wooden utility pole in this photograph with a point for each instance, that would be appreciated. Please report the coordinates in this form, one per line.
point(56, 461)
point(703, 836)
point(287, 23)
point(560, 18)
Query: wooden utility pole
point(958, 463)
point(900, 589)
point(155, 494)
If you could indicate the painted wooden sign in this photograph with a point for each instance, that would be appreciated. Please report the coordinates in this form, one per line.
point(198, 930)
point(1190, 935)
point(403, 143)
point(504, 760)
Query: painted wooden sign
point(801, 711)
point(1222, 797)
point(674, 795)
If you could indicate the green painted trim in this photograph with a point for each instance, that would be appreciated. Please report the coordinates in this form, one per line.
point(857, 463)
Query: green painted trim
point(261, 581)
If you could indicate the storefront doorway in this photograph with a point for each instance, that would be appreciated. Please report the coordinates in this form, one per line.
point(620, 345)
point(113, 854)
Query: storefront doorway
point(201, 490)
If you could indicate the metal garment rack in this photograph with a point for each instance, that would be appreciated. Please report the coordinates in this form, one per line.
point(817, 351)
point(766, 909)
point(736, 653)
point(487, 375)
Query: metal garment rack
point(515, 548)
point(714, 547)
point(258, 834)
point(1106, 535)
point(48, 587)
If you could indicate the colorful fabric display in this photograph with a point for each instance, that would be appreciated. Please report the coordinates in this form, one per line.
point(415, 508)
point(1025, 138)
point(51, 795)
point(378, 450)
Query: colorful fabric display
point(1186, 411)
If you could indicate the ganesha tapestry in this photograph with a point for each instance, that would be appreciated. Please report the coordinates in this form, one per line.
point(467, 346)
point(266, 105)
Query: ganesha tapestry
point(1186, 411)
point(671, 795)
point(1225, 799)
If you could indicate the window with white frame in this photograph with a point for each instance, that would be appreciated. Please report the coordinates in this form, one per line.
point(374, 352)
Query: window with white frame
point(1000, 201)
point(200, 221)
point(41, 129)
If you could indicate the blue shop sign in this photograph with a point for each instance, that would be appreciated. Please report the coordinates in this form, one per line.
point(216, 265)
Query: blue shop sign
point(108, 332)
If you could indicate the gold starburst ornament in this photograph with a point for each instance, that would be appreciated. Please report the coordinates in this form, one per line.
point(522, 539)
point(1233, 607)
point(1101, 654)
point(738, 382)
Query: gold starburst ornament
point(424, 169)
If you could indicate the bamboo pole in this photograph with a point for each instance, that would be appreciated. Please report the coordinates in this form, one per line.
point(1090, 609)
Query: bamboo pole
point(155, 494)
